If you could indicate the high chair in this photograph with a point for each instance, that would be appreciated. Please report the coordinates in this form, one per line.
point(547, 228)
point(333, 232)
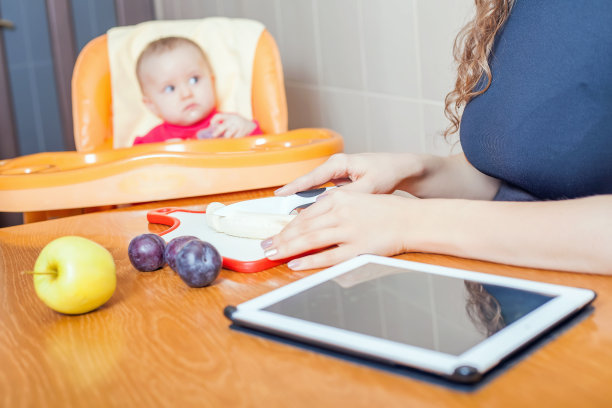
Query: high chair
point(103, 173)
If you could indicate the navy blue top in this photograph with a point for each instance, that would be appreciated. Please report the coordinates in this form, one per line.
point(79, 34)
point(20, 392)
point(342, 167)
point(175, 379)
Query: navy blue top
point(544, 127)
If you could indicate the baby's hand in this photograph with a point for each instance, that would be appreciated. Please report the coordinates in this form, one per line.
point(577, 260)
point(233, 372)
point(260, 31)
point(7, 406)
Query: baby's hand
point(230, 125)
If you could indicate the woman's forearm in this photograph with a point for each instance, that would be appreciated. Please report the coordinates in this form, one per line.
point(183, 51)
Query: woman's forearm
point(571, 235)
point(450, 177)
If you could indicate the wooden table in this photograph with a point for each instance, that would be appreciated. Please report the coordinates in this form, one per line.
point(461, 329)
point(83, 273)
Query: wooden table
point(158, 342)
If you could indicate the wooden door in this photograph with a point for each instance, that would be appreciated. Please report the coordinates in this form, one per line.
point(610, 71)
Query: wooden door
point(39, 43)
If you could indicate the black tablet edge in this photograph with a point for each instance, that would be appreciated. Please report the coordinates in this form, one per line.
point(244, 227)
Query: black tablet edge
point(468, 374)
point(229, 311)
point(462, 376)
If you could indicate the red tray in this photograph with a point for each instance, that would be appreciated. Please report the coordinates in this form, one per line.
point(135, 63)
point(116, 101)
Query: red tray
point(239, 254)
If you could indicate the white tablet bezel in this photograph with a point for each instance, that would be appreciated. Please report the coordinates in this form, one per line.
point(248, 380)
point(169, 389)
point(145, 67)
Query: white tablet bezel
point(481, 357)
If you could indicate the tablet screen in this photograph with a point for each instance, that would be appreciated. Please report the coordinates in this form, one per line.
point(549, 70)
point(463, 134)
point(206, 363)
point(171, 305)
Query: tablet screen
point(435, 312)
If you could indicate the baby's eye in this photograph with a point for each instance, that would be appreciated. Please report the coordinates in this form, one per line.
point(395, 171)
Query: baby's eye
point(194, 80)
point(169, 88)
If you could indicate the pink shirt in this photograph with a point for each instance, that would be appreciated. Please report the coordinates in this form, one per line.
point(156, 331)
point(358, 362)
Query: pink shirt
point(167, 131)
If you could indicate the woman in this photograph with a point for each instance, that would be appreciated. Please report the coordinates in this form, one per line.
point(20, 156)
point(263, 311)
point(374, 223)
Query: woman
point(534, 184)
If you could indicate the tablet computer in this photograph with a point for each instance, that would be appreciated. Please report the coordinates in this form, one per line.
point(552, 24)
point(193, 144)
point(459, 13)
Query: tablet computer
point(455, 323)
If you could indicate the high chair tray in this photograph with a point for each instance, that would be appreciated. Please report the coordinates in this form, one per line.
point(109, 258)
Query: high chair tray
point(161, 171)
point(239, 254)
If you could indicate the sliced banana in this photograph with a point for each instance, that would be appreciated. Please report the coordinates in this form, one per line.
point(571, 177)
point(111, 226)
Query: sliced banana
point(245, 224)
point(211, 220)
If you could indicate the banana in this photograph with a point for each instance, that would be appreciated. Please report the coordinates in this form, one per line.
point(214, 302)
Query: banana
point(245, 224)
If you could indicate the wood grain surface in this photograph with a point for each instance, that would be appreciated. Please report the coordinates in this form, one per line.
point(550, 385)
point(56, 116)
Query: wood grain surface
point(158, 342)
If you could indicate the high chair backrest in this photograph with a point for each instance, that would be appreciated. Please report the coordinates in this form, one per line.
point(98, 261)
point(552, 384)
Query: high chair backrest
point(92, 96)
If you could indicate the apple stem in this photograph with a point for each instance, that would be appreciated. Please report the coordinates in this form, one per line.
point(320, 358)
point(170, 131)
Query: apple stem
point(39, 273)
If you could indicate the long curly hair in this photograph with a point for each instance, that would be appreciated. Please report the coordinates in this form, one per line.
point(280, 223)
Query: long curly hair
point(483, 309)
point(472, 52)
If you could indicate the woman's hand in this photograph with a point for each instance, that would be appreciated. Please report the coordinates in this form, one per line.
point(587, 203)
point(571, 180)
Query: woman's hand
point(368, 173)
point(424, 176)
point(231, 125)
point(348, 223)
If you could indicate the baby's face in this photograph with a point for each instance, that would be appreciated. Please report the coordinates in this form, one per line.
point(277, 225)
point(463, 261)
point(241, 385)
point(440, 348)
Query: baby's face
point(177, 86)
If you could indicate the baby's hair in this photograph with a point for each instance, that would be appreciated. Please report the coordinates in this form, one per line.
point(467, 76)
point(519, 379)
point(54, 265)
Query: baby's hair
point(165, 44)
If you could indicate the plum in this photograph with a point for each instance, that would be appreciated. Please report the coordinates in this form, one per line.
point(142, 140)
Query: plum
point(146, 252)
point(198, 263)
point(173, 247)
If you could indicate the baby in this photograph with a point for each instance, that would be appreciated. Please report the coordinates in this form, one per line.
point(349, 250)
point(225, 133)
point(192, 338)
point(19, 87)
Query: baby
point(177, 85)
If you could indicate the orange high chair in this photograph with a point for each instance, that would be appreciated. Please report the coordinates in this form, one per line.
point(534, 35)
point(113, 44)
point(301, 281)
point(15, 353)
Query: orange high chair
point(52, 184)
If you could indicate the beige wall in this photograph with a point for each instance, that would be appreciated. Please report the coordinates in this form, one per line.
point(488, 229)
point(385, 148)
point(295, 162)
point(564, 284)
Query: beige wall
point(377, 71)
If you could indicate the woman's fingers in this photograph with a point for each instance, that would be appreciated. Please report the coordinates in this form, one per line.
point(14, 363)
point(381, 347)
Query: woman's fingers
point(323, 258)
point(312, 228)
point(333, 168)
point(304, 242)
point(343, 225)
point(321, 225)
point(353, 171)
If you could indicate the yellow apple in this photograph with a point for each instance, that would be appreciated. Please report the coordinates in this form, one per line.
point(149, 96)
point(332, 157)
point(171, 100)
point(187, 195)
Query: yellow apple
point(74, 275)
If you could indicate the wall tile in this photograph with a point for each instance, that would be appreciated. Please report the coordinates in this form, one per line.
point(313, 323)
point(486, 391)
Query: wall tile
point(297, 41)
point(435, 123)
point(340, 38)
point(206, 8)
point(394, 125)
point(345, 112)
point(230, 8)
point(166, 9)
point(159, 8)
point(201, 8)
point(375, 71)
point(192, 8)
point(263, 11)
point(303, 104)
point(439, 23)
point(185, 9)
point(391, 58)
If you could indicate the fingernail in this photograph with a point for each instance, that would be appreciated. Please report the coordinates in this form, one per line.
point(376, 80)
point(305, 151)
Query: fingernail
point(266, 243)
point(278, 190)
point(321, 196)
point(294, 263)
point(270, 252)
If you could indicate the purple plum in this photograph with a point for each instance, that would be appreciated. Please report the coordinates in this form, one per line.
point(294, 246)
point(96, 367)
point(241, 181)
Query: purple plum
point(173, 247)
point(198, 263)
point(146, 252)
